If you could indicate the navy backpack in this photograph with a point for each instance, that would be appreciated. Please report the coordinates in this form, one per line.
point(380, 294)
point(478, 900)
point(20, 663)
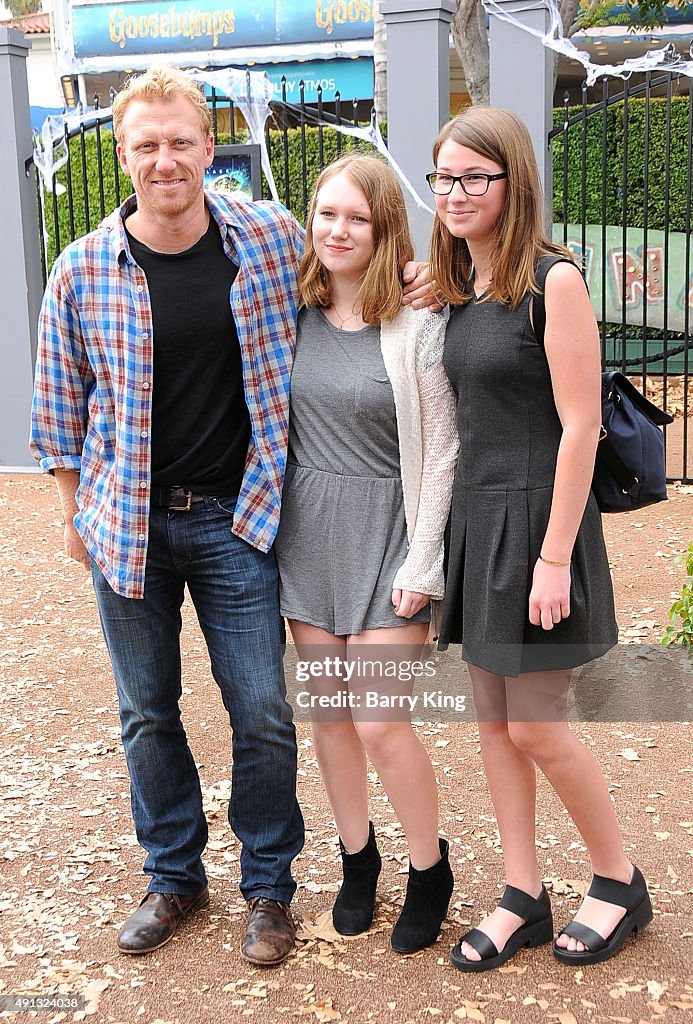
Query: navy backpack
point(629, 470)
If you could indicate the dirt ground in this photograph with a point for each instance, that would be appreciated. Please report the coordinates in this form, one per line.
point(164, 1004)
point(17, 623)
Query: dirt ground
point(71, 868)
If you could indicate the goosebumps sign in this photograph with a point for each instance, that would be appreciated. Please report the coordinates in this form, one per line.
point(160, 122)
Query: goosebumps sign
point(137, 27)
point(171, 23)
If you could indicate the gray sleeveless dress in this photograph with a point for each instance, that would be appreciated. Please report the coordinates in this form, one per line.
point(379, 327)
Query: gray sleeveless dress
point(509, 437)
point(342, 534)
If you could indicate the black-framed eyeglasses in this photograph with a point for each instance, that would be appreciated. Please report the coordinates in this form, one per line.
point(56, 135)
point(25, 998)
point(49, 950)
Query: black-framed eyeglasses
point(474, 184)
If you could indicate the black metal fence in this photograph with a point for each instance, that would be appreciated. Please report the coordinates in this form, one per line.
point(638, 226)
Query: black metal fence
point(622, 201)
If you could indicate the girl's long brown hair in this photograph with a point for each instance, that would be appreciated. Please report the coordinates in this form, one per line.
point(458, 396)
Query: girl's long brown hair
point(380, 294)
point(520, 236)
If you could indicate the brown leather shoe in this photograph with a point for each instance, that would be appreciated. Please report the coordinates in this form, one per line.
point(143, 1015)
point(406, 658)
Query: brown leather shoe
point(270, 933)
point(156, 919)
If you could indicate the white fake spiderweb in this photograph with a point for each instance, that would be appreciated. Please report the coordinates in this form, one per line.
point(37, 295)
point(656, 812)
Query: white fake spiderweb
point(667, 58)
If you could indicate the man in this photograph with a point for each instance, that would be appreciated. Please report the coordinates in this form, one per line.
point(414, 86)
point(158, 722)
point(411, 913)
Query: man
point(161, 407)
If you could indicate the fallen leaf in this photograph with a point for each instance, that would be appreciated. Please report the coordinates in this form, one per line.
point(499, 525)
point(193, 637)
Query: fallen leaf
point(469, 1011)
point(319, 928)
point(325, 1011)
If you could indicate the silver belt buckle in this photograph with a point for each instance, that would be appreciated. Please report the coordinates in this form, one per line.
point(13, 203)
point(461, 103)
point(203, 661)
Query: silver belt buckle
point(182, 508)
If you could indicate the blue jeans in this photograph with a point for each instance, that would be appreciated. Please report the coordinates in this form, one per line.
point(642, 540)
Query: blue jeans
point(234, 589)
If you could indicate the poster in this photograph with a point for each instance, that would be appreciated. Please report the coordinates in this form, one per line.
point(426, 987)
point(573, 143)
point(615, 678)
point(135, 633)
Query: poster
point(235, 172)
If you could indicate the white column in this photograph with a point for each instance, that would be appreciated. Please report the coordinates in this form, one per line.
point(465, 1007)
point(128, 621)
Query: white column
point(522, 76)
point(418, 93)
point(20, 267)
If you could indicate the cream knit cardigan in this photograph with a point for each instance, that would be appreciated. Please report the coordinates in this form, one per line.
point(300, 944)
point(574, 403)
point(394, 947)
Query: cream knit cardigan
point(412, 348)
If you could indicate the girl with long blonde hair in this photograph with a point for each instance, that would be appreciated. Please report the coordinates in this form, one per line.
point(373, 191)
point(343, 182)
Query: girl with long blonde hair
point(372, 450)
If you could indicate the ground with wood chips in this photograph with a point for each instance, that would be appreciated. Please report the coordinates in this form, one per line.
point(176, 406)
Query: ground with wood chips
point(71, 866)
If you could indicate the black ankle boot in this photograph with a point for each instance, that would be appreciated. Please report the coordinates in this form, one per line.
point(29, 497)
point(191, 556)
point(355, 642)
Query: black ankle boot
point(425, 905)
point(353, 909)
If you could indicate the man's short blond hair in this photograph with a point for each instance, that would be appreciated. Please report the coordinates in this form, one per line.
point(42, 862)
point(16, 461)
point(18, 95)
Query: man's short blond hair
point(160, 83)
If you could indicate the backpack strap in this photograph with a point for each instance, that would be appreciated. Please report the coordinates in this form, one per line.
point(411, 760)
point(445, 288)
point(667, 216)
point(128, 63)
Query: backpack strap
point(624, 477)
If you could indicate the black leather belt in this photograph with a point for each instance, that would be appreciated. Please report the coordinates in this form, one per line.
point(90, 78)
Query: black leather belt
point(175, 499)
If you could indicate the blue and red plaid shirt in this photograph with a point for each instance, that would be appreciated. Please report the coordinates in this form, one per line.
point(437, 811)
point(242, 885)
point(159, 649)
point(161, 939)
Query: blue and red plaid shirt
point(93, 391)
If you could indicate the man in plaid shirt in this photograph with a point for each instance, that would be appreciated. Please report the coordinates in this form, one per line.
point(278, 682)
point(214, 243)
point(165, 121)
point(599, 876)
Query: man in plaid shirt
point(161, 406)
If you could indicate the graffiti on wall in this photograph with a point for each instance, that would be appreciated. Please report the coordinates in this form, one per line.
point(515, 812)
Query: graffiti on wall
point(635, 274)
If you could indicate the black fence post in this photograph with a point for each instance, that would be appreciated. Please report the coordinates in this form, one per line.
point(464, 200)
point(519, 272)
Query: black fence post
point(99, 159)
point(285, 138)
point(116, 161)
point(304, 162)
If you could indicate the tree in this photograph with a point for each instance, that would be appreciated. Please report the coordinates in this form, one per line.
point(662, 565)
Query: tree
point(19, 7)
point(471, 42)
point(470, 35)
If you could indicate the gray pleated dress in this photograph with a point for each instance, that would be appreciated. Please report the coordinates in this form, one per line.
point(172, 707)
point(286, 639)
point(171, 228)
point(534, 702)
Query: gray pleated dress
point(342, 534)
point(509, 435)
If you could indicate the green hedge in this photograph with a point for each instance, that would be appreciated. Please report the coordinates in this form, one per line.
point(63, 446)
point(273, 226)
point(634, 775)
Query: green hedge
point(303, 148)
point(635, 175)
point(84, 212)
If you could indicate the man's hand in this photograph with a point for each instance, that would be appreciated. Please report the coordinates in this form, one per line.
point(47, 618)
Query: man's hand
point(68, 482)
point(419, 290)
point(74, 548)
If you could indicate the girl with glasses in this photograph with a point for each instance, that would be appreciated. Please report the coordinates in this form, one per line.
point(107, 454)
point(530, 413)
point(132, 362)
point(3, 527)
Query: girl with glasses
point(372, 450)
point(528, 587)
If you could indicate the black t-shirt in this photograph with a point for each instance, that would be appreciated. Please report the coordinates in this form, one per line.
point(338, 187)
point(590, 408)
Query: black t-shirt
point(200, 422)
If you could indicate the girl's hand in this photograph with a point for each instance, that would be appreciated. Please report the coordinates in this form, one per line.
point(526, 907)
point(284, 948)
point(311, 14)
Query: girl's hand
point(408, 602)
point(549, 599)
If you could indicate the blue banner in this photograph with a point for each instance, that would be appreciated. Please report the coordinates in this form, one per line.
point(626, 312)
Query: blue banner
point(352, 79)
point(141, 27)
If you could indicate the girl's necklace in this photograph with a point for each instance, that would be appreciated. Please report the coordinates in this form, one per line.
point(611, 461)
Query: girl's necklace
point(479, 281)
point(342, 319)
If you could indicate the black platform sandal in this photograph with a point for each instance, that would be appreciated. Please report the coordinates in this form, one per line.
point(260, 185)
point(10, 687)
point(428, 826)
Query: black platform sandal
point(633, 896)
point(536, 931)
